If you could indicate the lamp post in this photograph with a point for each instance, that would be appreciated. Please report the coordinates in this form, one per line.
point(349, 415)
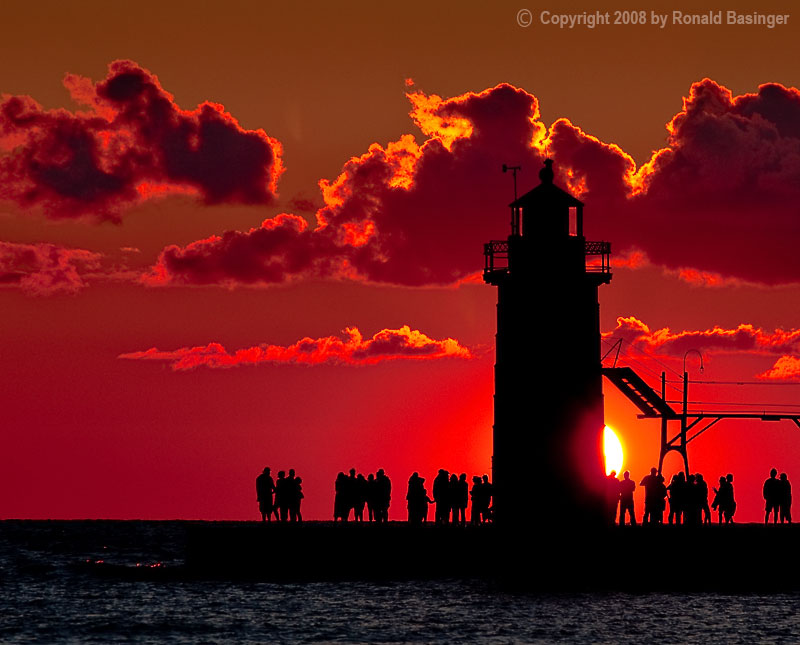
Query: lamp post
point(686, 381)
point(686, 401)
point(689, 351)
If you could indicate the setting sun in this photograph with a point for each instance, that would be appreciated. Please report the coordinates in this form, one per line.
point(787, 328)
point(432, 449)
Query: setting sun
point(612, 448)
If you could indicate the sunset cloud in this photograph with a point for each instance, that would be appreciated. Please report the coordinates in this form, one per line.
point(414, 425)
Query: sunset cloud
point(744, 338)
point(708, 279)
point(724, 196)
point(730, 172)
point(281, 248)
point(786, 368)
point(403, 213)
point(45, 269)
point(350, 349)
point(131, 143)
point(414, 213)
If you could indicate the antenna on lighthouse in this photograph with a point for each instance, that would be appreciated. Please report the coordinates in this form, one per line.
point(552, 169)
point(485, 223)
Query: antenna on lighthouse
point(513, 170)
point(514, 209)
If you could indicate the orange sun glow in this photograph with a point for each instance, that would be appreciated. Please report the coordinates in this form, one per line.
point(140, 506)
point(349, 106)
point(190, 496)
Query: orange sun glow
point(612, 448)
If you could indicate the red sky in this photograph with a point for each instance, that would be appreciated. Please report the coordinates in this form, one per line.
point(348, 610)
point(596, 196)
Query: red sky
point(253, 241)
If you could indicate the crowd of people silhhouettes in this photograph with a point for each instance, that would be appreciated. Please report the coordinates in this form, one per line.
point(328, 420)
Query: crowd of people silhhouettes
point(686, 497)
point(279, 497)
point(451, 495)
point(355, 494)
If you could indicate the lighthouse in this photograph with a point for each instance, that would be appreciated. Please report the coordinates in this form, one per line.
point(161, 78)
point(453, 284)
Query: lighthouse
point(548, 466)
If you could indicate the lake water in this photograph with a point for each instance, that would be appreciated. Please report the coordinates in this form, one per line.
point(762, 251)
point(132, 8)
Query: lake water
point(53, 592)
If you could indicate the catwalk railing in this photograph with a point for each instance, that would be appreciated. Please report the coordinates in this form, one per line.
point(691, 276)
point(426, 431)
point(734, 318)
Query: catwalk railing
point(496, 253)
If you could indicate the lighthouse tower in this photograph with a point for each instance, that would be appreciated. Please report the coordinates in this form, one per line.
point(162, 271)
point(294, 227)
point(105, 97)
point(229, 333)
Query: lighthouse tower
point(548, 466)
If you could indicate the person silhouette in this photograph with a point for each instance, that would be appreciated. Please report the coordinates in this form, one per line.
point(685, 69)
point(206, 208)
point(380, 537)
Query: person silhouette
point(702, 497)
point(360, 498)
point(730, 501)
point(417, 499)
point(718, 504)
point(441, 495)
point(296, 498)
point(626, 488)
point(612, 497)
point(488, 498)
point(673, 509)
point(340, 509)
point(677, 498)
point(383, 496)
point(652, 503)
point(785, 499)
point(265, 487)
point(281, 496)
point(289, 496)
point(772, 492)
point(476, 495)
point(452, 498)
point(412, 499)
point(371, 497)
point(462, 500)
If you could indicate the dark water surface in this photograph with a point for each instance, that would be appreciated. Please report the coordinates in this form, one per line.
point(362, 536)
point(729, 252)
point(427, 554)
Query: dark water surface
point(53, 591)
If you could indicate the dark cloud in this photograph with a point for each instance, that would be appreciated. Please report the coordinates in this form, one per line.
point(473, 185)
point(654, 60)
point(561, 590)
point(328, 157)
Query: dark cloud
point(403, 214)
point(720, 202)
point(132, 143)
point(724, 196)
point(281, 248)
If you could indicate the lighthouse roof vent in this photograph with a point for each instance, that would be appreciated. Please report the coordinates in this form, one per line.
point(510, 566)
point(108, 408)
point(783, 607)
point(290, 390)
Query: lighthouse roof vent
point(546, 193)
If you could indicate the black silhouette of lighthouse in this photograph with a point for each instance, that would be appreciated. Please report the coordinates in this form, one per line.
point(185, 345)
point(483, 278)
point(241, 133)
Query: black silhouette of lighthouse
point(548, 465)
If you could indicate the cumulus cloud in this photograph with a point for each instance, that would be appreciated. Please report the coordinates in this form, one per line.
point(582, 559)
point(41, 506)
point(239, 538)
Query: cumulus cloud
point(744, 338)
point(786, 368)
point(46, 269)
point(281, 248)
point(404, 213)
point(350, 349)
point(131, 143)
point(724, 196)
point(720, 202)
